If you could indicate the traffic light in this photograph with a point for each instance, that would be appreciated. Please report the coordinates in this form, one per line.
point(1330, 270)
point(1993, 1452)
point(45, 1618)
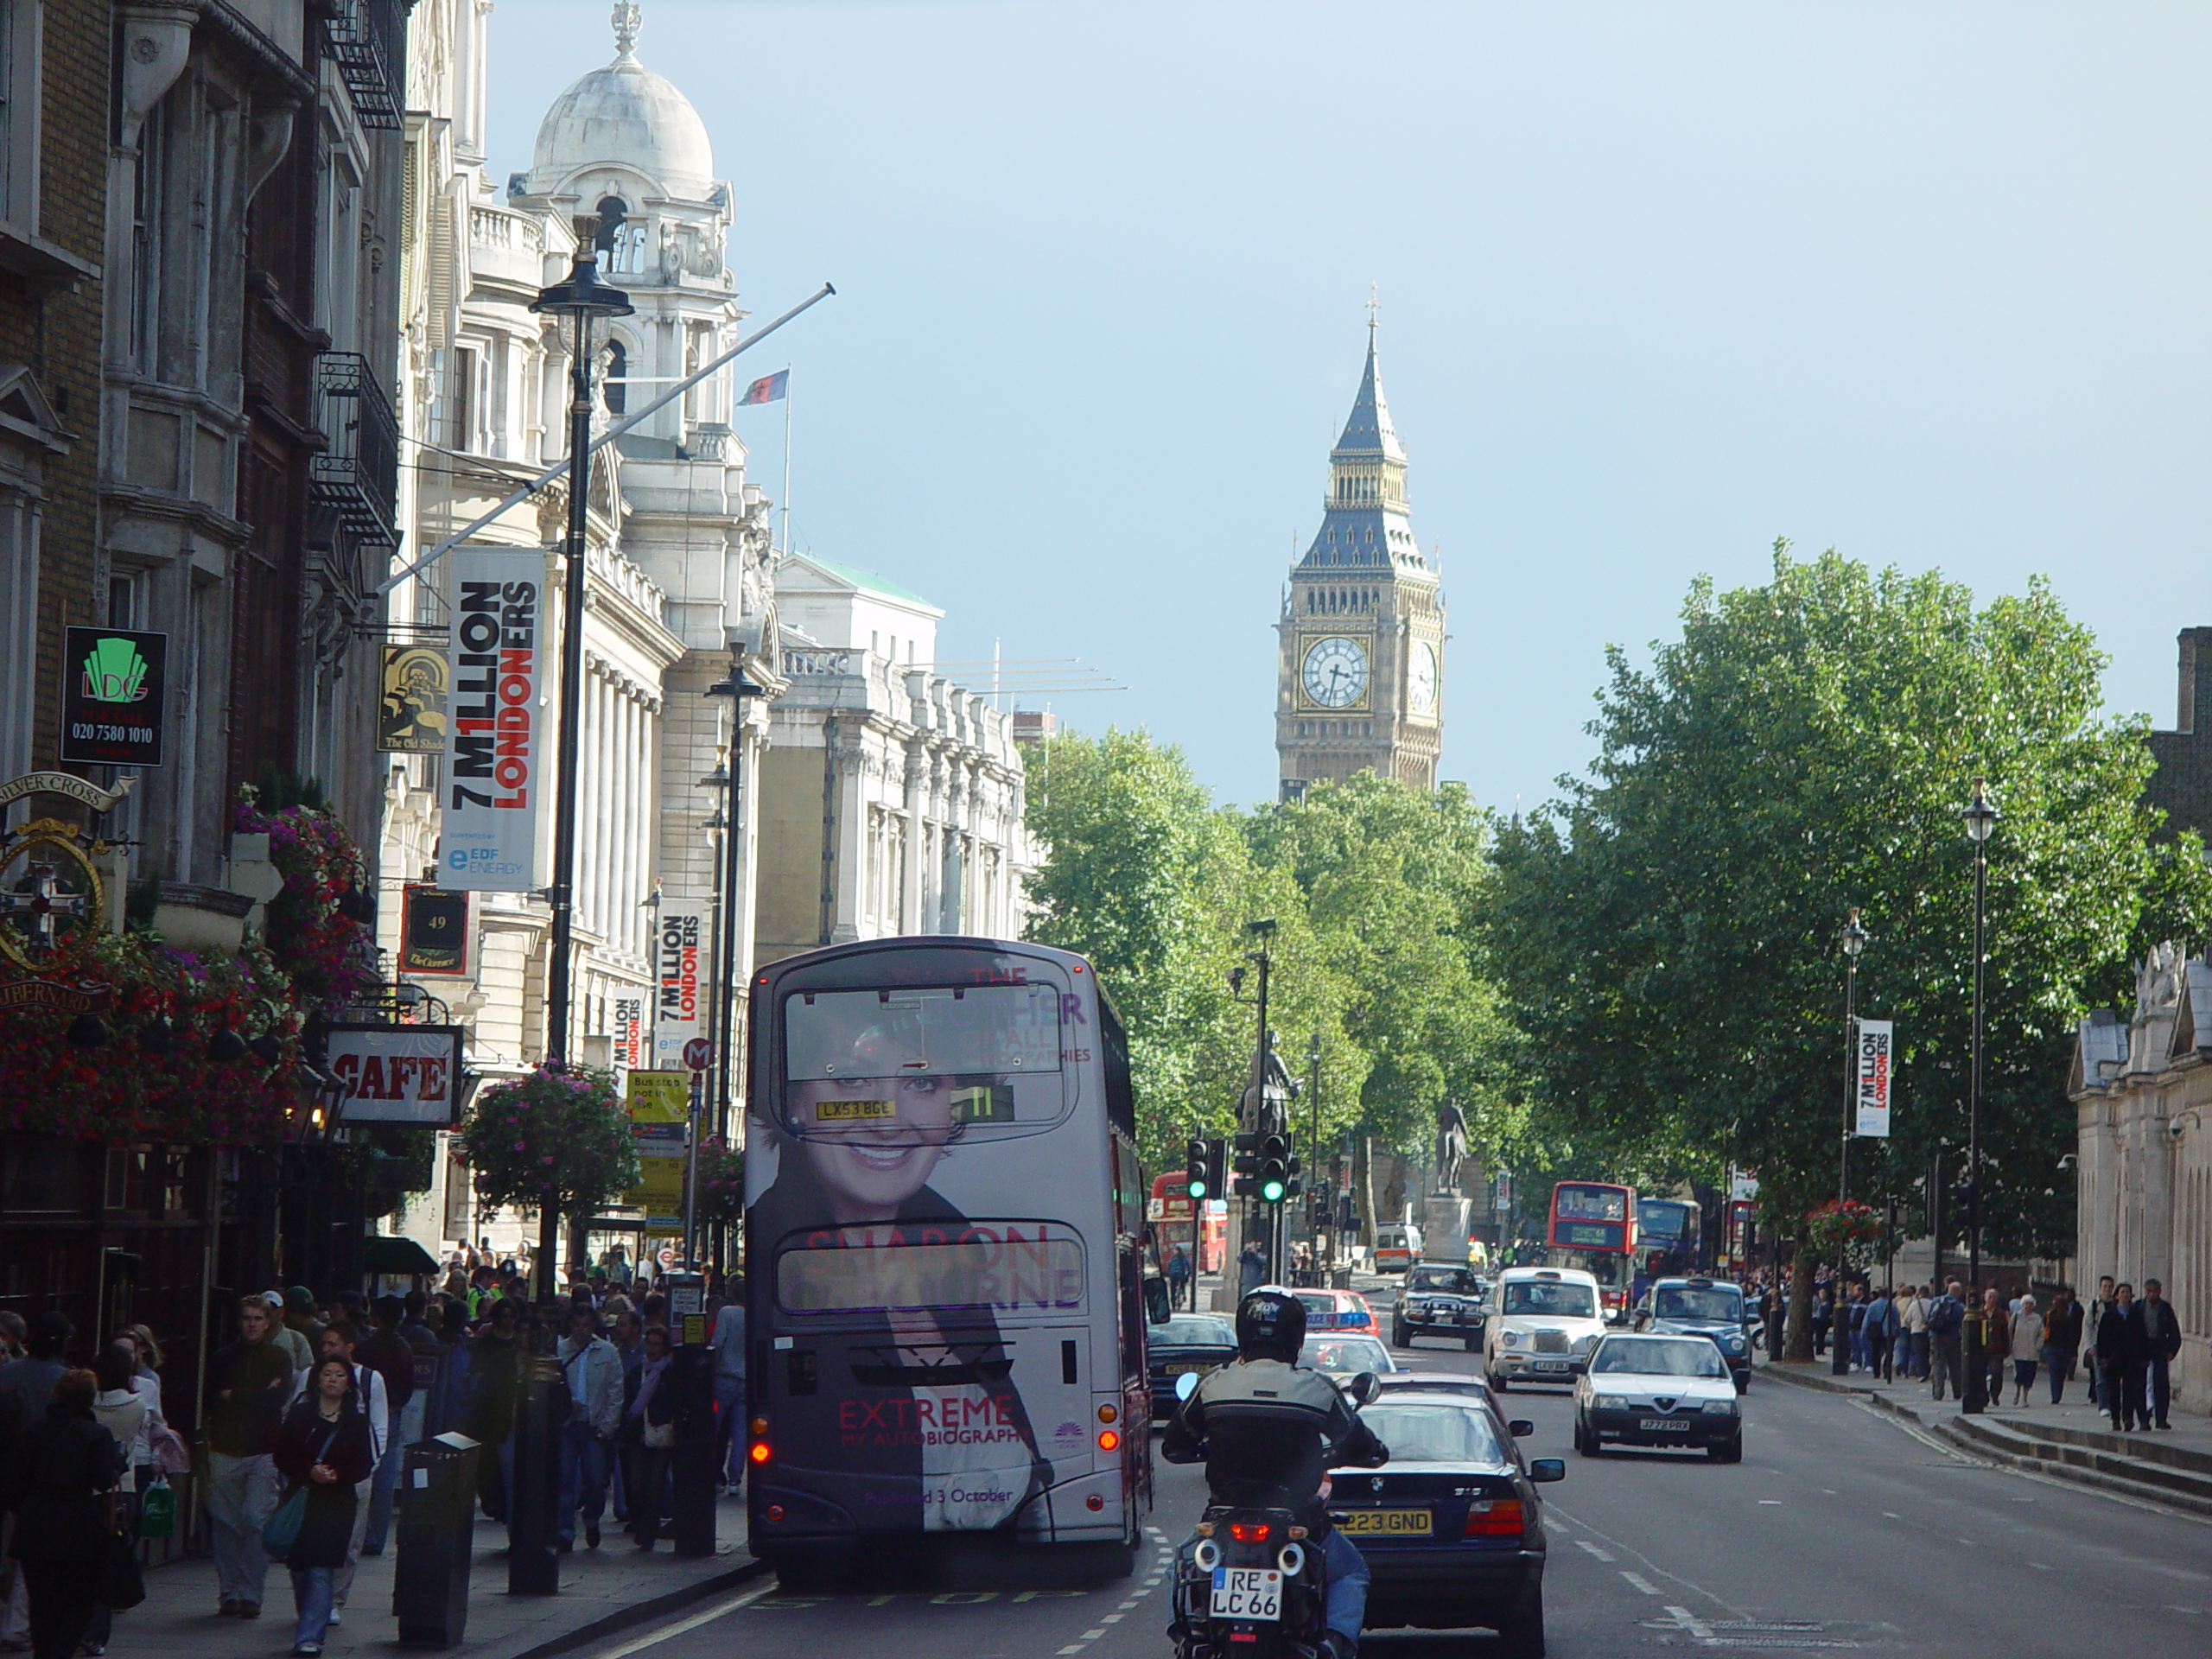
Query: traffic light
point(1247, 1166)
point(1196, 1164)
point(1274, 1168)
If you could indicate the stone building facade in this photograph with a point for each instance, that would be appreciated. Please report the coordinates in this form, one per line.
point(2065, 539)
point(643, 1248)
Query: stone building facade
point(892, 797)
point(2142, 1087)
point(2182, 786)
point(677, 536)
point(1360, 659)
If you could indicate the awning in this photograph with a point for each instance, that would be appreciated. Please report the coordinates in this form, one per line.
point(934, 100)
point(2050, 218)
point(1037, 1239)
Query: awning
point(380, 1254)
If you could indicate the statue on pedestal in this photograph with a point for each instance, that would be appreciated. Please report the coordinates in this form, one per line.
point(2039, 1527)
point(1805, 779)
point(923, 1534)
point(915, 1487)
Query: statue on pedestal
point(1451, 1146)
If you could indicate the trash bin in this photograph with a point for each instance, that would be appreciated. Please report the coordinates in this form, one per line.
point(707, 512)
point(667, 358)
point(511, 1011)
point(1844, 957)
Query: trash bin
point(436, 1531)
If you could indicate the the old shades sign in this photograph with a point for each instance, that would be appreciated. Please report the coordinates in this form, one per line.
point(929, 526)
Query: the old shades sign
point(397, 1074)
point(496, 767)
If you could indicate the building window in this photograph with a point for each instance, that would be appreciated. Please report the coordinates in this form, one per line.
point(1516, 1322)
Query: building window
point(149, 191)
point(18, 630)
point(617, 379)
point(19, 91)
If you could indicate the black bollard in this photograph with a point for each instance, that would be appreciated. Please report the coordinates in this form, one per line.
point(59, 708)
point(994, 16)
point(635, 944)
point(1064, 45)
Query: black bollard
point(435, 1533)
point(1974, 1391)
point(691, 1518)
point(534, 1495)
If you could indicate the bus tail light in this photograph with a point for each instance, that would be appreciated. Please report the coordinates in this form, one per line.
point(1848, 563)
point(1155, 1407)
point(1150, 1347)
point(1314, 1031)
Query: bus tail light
point(1493, 1517)
point(759, 1452)
point(1109, 1441)
point(1094, 1503)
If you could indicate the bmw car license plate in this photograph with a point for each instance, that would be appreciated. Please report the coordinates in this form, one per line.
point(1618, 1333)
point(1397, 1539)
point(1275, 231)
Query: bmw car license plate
point(1389, 1523)
point(1664, 1425)
point(1247, 1593)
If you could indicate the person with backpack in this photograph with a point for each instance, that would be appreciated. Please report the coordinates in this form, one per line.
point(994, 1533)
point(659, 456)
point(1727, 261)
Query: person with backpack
point(1879, 1326)
point(1946, 1319)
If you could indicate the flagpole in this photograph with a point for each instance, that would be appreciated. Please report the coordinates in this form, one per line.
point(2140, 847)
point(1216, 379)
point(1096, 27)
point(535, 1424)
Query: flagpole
point(787, 460)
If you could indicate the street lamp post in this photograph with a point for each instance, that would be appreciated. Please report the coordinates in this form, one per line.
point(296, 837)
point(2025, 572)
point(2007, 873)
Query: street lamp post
point(1314, 1155)
point(717, 829)
point(582, 297)
point(737, 688)
point(1854, 941)
point(1980, 819)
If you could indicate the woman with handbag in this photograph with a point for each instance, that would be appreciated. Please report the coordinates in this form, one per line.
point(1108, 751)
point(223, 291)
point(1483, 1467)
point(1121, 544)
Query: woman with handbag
point(118, 1409)
point(323, 1451)
point(64, 1462)
point(648, 1437)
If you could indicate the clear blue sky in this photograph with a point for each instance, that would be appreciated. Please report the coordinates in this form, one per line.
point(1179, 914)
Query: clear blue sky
point(1925, 283)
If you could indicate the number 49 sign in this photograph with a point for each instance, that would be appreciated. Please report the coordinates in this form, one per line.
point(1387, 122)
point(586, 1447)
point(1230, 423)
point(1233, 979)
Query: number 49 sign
point(114, 696)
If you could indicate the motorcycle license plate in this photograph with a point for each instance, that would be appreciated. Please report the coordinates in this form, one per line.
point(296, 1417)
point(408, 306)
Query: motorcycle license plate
point(1247, 1593)
point(1664, 1425)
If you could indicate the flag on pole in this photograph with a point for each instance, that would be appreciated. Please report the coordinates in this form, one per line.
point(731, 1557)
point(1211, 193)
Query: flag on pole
point(768, 389)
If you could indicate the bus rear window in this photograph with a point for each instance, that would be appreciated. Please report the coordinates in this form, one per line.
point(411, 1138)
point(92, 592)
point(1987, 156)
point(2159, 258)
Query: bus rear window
point(1015, 1273)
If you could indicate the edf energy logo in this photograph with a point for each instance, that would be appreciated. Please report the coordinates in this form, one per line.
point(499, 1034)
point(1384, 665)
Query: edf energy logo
point(115, 672)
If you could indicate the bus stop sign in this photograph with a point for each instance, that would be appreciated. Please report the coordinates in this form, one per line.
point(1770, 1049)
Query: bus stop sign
point(695, 1053)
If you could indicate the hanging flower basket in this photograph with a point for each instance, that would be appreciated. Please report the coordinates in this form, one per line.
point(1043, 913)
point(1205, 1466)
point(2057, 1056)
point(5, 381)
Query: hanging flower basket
point(721, 1185)
point(310, 933)
point(1852, 1228)
point(562, 1134)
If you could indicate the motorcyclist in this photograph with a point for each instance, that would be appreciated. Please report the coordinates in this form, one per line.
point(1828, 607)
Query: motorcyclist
point(1269, 1432)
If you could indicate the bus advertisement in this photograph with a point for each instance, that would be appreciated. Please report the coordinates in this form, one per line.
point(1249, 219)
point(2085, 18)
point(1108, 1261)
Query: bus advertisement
point(943, 1220)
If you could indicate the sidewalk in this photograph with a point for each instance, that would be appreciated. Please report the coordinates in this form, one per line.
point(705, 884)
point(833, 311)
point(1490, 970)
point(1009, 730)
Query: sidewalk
point(2071, 1441)
point(612, 1588)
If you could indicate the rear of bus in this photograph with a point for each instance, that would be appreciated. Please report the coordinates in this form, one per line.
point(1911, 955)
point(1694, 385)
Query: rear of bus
point(943, 1211)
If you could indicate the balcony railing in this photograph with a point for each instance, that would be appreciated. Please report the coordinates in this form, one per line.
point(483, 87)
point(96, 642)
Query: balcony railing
point(366, 39)
point(359, 473)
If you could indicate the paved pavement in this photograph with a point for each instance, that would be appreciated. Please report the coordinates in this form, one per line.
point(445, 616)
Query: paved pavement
point(603, 1591)
point(1846, 1527)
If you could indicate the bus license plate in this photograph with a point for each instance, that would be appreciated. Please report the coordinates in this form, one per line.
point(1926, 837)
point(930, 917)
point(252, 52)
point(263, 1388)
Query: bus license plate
point(1184, 1368)
point(1247, 1593)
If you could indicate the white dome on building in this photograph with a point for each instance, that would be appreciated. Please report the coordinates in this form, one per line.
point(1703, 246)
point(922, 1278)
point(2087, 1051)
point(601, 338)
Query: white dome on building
point(625, 115)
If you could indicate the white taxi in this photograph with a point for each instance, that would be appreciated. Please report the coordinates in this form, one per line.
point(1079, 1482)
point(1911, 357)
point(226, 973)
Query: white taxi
point(1540, 1325)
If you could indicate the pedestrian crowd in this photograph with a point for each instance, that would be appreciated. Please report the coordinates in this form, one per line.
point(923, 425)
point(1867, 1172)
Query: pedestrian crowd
point(307, 1410)
point(2122, 1345)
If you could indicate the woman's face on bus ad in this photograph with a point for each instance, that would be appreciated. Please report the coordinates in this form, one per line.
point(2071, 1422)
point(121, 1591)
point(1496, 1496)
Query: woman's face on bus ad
point(871, 1142)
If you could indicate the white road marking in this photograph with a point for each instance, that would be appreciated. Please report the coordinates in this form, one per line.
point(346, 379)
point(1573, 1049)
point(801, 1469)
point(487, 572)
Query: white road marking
point(1770, 1503)
point(1696, 1627)
point(708, 1617)
point(1113, 1619)
point(1092, 1635)
point(1642, 1583)
point(1891, 1515)
point(1602, 1554)
point(2043, 1567)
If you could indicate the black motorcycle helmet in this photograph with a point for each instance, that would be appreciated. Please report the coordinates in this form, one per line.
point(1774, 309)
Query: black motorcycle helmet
point(1270, 1324)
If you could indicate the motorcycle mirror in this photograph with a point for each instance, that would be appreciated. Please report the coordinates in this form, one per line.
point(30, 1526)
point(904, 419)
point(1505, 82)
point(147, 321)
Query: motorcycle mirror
point(1364, 1388)
point(1186, 1385)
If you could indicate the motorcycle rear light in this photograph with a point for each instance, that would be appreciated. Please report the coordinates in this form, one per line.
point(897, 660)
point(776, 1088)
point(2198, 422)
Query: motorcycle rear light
point(1255, 1532)
point(1493, 1517)
point(1295, 1532)
point(1204, 1528)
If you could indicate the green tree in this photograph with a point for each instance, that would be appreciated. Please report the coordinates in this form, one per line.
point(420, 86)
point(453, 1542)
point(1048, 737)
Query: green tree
point(1669, 931)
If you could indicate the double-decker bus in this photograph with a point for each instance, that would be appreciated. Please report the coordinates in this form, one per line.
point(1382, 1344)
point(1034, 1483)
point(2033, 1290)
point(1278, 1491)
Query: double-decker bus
point(944, 1222)
point(1668, 1233)
point(1592, 1226)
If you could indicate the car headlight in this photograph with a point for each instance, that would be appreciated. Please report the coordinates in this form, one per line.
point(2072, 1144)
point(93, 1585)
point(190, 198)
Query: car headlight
point(1721, 1407)
point(1583, 1344)
point(1735, 1340)
point(1512, 1338)
point(1609, 1402)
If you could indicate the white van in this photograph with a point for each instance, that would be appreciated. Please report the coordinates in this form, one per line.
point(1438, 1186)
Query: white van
point(1397, 1247)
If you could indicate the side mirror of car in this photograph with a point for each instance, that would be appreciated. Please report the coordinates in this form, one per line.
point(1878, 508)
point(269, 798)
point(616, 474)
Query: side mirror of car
point(1547, 1469)
point(1185, 1386)
point(1156, 1308)
point(1520, 1428)
point(1364, 1388)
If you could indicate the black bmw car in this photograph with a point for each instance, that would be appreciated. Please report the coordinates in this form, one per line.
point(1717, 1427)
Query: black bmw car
point(1452, 1529)
point(1438, 1299)
point(1186, 1343)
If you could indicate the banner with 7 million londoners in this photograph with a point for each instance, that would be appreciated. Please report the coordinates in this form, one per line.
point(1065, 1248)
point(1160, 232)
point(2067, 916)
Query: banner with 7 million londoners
point(1873, 1067)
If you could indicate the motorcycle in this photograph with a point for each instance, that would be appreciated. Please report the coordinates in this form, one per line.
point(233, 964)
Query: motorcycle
point(1248, 1582)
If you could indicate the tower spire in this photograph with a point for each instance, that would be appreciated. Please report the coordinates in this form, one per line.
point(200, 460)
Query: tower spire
point(628, 19)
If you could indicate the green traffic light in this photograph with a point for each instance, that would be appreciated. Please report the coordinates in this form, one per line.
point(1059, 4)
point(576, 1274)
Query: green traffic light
point(1197, 1189)
point(1272, 1192)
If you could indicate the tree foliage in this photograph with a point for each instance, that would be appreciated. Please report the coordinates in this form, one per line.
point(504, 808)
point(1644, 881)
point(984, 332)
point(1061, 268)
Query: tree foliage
point(1670, 930)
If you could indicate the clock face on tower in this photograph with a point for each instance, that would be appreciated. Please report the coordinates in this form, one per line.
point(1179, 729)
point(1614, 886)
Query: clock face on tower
point(1420, 689)
point(1334, 673)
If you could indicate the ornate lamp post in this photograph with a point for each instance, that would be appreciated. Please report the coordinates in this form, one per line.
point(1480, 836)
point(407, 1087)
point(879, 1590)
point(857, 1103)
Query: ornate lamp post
point(1854, 941)
point(1980, 819)
point(582, 297)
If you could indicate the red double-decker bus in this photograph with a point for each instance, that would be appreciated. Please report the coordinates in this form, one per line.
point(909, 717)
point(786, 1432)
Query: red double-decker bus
point(1593, 1222)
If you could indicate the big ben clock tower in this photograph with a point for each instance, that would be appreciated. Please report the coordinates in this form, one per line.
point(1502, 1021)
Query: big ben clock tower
point(1360, 676)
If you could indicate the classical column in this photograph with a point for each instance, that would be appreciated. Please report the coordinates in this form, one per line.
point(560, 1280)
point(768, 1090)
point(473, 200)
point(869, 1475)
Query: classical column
point(852, 828)
point(910, 872)
point(591, 795)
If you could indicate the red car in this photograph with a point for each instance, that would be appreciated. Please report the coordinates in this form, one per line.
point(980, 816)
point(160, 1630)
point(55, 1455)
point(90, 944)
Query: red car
point(1338, 1310)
